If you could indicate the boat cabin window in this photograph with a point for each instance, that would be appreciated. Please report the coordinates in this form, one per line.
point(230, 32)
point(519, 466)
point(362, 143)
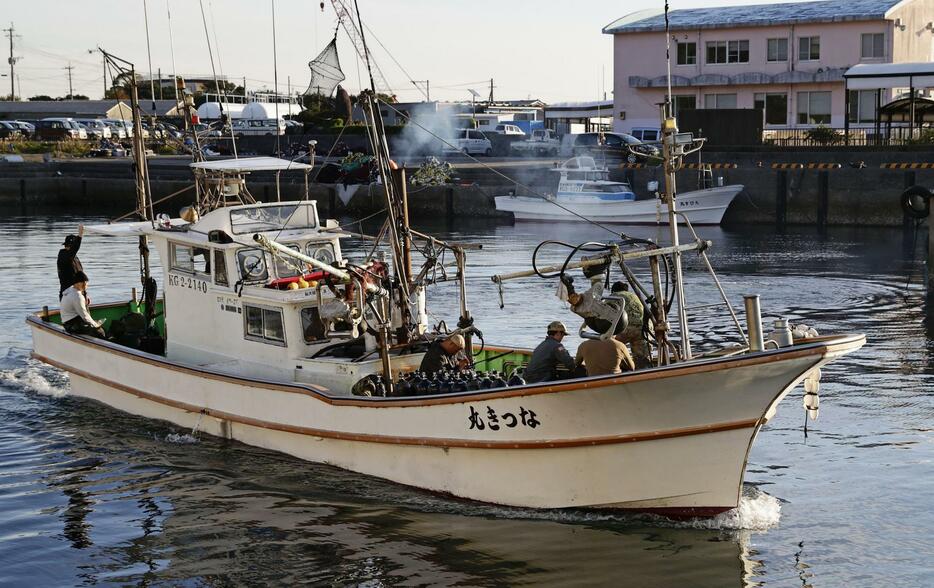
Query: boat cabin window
point(263, 324)
point(220, 268)
point(273, 218)
point(312, 325)
point(323, 252)
point(190, 259)
point(286, 267)
point(252, 264)
point(615, 188)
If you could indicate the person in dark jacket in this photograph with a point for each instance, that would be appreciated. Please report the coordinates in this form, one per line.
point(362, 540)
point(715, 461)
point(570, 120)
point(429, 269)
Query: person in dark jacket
point(550, 353)
point(68, 263)
point(444, 354)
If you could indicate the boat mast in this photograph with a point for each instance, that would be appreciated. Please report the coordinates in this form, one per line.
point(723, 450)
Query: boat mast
point(673, 150)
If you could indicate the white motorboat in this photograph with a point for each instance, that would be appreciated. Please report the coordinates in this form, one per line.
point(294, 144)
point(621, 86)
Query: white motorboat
point(585, 191)
point(267, 334)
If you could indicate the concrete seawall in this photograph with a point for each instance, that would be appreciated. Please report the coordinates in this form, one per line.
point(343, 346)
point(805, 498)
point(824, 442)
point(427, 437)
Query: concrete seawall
point(859, 193)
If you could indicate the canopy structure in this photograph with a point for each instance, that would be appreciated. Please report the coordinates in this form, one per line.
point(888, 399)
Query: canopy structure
point(250, 164)
point(879, 76)
point(326, 71)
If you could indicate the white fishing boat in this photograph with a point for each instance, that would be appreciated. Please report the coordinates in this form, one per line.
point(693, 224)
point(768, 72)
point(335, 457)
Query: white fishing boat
point(586, 191)
point(267, 333)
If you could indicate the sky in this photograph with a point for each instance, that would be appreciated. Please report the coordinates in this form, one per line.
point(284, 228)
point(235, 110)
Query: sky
point(547, 49)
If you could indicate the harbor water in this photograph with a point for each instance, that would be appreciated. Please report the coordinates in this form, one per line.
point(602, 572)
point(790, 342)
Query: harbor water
point(92, 496)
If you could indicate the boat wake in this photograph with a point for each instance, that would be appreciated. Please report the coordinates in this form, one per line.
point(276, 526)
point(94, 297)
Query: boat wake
point(28, 375)
point(757, 511)
point(181, 438)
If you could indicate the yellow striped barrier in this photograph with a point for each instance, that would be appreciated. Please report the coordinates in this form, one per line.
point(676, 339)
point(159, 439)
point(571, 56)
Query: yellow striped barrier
point(710, 165)
point(907, 166)
point(822, 166)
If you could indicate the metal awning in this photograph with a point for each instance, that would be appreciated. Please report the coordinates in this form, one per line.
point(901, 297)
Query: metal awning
point(873, 76)
point(251, 164)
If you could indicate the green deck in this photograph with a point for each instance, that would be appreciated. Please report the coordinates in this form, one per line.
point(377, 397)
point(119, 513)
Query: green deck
point(501, 359)
point(113, 312)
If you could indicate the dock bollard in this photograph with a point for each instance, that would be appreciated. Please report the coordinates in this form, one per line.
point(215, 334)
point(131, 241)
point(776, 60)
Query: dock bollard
point(754, 322)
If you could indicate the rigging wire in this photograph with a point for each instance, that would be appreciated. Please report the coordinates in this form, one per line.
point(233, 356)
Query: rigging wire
point(168, 13)
point(152, 83)
point(275, 76)
point(207, 38)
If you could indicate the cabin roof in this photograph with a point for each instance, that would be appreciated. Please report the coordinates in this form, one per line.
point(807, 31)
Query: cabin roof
point(250, 164)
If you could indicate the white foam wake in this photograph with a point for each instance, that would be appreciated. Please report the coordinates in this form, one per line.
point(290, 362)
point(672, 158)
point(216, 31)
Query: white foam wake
point(181, 438)
point(35, 377)
point(757, 511)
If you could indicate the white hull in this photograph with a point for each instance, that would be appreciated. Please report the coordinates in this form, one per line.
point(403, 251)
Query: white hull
point(702, 207)
point(673, 440)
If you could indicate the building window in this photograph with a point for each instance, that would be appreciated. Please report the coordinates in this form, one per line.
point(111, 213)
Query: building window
point(263, 324)
point(775, 107)
point(720, 101)
point(727, 51)
point(777, 50)
point(684, 103)
point(873, 45)
point(862, 106)
point(813, 108)
point(194, 260)
point(808, 48)
point(220, 268)
point(687, 53)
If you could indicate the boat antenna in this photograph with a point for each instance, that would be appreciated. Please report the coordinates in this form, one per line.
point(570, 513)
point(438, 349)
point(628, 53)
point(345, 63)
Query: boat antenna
point(672, 152)
point(152, 82)
point(168, 12)
point(275, 77)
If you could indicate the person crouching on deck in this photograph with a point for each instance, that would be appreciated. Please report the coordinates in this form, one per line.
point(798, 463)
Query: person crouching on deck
point(75, 315)
point(443, 354)
point(603, 357)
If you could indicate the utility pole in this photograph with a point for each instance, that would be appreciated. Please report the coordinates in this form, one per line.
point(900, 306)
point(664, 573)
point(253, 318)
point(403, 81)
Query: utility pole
point(12, 61)
point(160, 82)
point(71, 93)
point(427, 88)
point(491, 91)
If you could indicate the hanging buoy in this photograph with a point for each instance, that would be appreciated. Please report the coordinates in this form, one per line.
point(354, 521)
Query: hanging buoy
point(811, 400)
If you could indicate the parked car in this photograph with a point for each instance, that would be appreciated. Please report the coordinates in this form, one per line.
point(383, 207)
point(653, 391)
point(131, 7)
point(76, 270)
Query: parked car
point(8, 130)
point(59, 129)
point(262, 126)
point(120, 129)
point(212, 130)
point(27, 129)
point(469, 141)
point(96, 128)
point(504, 129)
point(615, 146)
point(543, 142)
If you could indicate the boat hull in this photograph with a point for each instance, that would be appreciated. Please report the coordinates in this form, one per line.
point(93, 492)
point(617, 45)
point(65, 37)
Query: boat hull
point(702, 207)
point(671, 440)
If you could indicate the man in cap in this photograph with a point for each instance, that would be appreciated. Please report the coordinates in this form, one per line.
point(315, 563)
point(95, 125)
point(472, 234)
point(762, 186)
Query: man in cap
point(443, 354)
point(68, 263)
point(75, 315)
point(550, 353)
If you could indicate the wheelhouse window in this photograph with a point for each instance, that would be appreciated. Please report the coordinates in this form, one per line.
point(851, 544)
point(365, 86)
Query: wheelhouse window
point(809, 49)
point(220, 268)
point(263, 324)
point(687, 53)
point(312, 325)
point(814, 108)
point(777, 50)
point(287, 267)
point(720, 101)
point(252, 265)
point(194, 260)
point(323, 252)
point(272, 218)
point(873, 45)
point(775, 107)
point(727, 52)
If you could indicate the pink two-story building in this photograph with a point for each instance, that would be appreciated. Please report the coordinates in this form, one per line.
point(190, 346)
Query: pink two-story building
point(787, 59)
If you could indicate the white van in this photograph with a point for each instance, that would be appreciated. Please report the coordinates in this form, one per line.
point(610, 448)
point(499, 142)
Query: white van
point(469, 141)
point(96, 128)
point(505, 129)
point(267, 126)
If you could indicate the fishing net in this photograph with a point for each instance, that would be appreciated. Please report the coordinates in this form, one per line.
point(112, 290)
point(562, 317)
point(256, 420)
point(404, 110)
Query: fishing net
point(326, 71)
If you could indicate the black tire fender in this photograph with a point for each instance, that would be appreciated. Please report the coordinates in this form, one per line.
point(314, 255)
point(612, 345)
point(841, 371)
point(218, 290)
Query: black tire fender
point(912, 198)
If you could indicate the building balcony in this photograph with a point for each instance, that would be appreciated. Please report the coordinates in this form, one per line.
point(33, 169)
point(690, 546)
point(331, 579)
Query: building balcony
point(830, 74)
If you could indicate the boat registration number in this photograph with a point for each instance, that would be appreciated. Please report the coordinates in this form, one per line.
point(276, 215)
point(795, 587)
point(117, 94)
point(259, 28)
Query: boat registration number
point(188, 282)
